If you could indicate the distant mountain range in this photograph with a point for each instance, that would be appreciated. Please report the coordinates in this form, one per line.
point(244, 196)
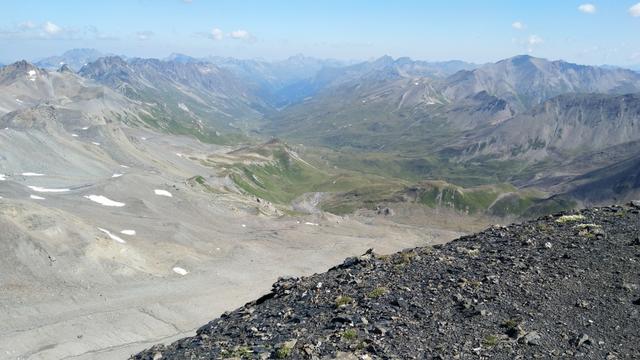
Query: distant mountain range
point(525, 81)
point(74, 59)
point(525, 120)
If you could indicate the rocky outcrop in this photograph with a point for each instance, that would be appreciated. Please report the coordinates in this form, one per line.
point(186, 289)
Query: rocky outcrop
point(566, 285)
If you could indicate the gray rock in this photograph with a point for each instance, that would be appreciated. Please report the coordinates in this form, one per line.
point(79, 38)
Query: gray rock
point(583, 339)
point(531, 338)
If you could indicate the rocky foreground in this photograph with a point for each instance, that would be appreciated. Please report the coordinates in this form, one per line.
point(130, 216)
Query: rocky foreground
point(563, 286)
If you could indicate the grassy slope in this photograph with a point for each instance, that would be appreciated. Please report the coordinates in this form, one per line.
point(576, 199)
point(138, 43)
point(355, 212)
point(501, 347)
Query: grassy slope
point(274, 172)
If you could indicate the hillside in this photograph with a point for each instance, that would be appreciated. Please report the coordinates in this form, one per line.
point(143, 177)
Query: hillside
point(562, 285)
point(192, 98)
point(563, 126)
point(525, 81)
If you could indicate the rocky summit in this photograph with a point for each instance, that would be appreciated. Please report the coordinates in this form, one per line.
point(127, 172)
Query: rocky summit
point(562, 286)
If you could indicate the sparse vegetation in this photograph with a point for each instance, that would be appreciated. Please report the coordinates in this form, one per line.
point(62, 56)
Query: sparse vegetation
point(377, 292)
point(343, 300)
point(510, 323)
point(405, 257)
point(490, 340)
point(350, 335)
point(284, 351)
point(569, 218)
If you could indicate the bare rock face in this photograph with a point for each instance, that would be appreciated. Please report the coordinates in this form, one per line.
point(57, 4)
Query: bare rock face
point(503, 293)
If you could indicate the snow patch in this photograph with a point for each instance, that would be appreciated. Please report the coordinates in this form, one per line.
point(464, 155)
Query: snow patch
point(19, 101)
point(180, 271)
point(47, 190)
point(113, 237)
point(103, 200)
point(95, 143)
point(162, 193)
point(85, 128)
point(74, 135)
point(128, 232)
point(116, 175)
point(124, 166)
point(36, 197)
point(3, 177)
point(179, 155)
point(183, 107)
point(310, 223)
point(31, 174)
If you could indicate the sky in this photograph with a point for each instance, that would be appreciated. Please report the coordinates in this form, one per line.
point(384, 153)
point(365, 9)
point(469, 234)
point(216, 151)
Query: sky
point(598, 32)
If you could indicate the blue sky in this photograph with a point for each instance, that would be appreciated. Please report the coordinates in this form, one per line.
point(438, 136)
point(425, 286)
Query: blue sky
point(598, 32)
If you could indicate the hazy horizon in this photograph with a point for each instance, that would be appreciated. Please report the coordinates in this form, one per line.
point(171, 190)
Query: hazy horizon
point(594, 33)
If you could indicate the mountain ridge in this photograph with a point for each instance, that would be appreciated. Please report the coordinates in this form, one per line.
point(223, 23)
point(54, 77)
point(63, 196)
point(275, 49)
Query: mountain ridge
point(507, 291)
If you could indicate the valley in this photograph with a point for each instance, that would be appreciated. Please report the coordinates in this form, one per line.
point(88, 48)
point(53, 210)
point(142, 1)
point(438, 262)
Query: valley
point(139, 198)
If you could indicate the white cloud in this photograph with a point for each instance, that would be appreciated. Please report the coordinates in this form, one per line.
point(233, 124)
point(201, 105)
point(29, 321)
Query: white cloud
point(518, 25)
point(635, 10)
point(51, 28)
point(241, 35)
point(27, 25)
point(217, 34)
point(587, 8)
point(534, 40)
point(144, 35)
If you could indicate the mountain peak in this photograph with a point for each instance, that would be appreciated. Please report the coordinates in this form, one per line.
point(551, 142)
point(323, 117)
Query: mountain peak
point(384, 60)
point(64, 68)
point(23, 65)
point(87, 52)
point(181, 58)
point(111, 60)
point(522, 59)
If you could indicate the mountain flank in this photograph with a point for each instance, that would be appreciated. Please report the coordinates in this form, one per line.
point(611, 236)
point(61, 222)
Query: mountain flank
point(564, 285)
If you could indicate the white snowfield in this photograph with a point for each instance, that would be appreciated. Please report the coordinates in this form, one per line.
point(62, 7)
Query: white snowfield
point(31, 174)
point(116, 175)
point(180, 271)
point(36, 197)
point(74, 135)
point(113, 237)
point(47, 190)
point(3, 177)
point(162, 193)
point(128, 232)
point(103, 200)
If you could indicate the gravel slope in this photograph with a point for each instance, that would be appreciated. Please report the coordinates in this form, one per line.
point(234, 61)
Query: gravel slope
point(558, 287)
